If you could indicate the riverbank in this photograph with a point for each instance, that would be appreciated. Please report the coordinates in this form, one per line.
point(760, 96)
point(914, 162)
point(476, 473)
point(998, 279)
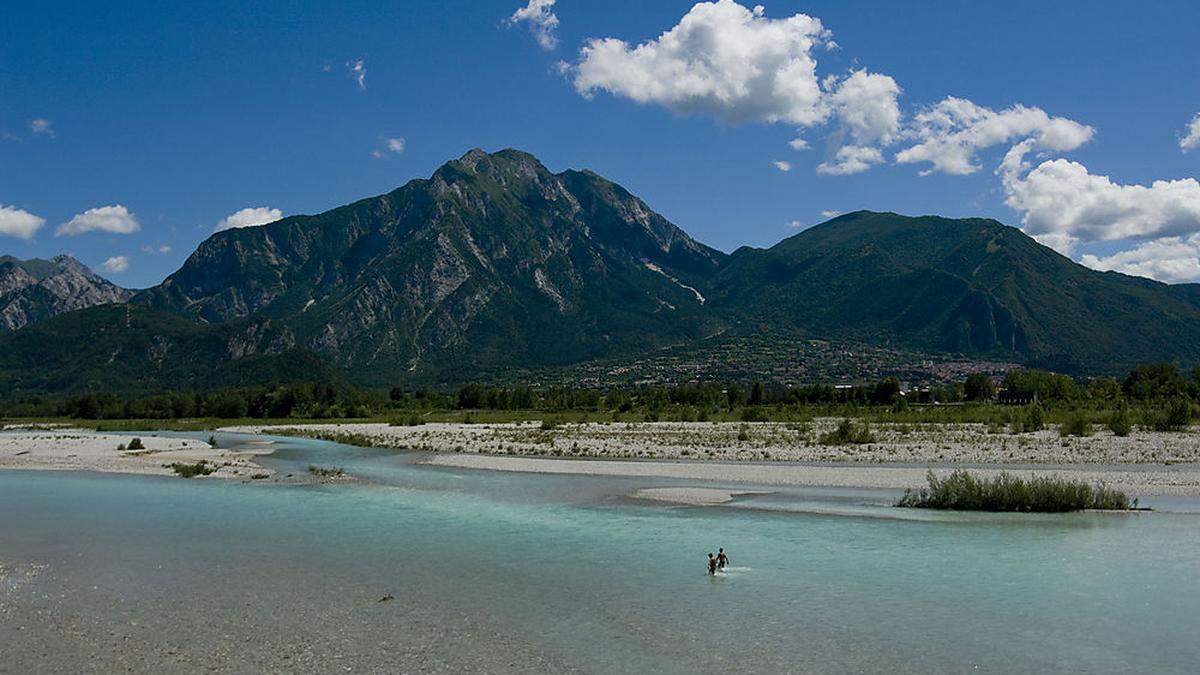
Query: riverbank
point(763, 441)
point(67, 449)
point(710, 454)
point(1135, 480)
point(1142, 464)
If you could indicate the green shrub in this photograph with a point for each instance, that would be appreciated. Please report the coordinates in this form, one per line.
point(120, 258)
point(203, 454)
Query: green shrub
point(1175, 417)
point(1179, 414)
point(136, 444)
point(753, 415)
point(201, 468)
point(848, 433)
point(1077, 424)
point(1034, 418)
point(413, 420)
point(549, 424)
point(962, 491)
point(325, 473)
point(1118, 422)
point(743, 433)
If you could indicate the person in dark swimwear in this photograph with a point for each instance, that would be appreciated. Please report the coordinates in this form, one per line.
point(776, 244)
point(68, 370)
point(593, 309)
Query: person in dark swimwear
point(722, 559)
point(712, 564)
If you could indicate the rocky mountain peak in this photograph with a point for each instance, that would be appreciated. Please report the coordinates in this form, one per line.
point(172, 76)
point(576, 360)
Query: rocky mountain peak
point(35, 289)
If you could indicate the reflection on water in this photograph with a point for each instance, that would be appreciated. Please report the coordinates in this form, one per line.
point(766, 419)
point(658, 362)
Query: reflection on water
point(550, 572)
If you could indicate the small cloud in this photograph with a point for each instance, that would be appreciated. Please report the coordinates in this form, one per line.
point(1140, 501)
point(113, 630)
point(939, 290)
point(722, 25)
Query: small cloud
point(156, 249)
point(19, 223)
point(851, 159)
point(394, 146)
point(798, 143)
point(42, 127)
point(1191, 139)
point(543, 23)
point(782, 165)
point(326, 68)
point(249, 217)
point(830, 213)
point(114, 219)
point(358, 71)
point(796, 224)
point(116, 264)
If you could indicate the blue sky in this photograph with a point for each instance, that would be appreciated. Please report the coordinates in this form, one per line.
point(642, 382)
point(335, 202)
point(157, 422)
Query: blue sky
point(184, 114)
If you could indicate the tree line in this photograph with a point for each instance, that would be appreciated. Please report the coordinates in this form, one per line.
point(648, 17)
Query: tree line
point(311, 400)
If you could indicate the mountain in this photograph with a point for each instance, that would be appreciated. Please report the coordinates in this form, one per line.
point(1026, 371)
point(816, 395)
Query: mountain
point(493, 261)
point(495, 265)
point(33, 290)
point(973, 286)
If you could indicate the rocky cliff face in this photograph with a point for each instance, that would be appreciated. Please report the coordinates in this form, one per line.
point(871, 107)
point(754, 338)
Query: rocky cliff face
point(33, 290)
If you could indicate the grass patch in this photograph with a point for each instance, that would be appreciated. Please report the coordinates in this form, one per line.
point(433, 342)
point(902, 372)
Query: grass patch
point(185, 470)
point(962, 491)
point(333, 472)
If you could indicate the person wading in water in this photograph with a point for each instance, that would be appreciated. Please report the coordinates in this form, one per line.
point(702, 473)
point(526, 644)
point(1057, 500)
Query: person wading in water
point(712, 564)
point(722, 559)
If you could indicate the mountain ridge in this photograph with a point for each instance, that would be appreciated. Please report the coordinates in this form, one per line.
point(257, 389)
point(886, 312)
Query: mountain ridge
point(494, 262)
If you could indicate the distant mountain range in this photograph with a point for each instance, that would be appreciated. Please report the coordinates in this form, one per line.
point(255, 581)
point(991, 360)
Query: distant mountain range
point(495, 263)
point(33, 290)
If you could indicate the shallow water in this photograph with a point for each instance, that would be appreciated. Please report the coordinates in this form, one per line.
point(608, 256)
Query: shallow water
point(502, 571)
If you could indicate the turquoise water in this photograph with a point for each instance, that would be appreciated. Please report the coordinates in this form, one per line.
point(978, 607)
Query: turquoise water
point(554, 572)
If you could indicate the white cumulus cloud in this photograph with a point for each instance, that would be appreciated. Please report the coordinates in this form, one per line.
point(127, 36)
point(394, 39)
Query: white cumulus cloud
point(723, 60)
point(867, 106)
point(1191, 138)
point(1169, 259)
point(851, 159)
point(734, 64)
point(19, 223)
point(830, 213)
point(951, 132)
point(116, 264)
point(543, 23)
point(1061, 198)
point(782, 165)
point(249, 217)
point(115, 219)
